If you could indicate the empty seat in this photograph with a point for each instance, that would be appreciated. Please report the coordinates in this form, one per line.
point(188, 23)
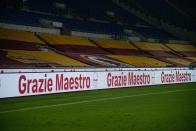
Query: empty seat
point(119, 47)
point(151, 46)
point(66, 40)
point(25, 48)
point(5, 61)
point(185, 49)
point(11, 39)
point(40, 57)
point(140, 61)
point(192, 58)
point(72, 44)
point(163, 53)
point(118, 44)
point(182, 47)
point(19, 36)
point(156, 49)
point(179, 61)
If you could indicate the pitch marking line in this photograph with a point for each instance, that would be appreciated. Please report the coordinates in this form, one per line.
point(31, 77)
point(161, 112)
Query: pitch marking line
point(95, 100)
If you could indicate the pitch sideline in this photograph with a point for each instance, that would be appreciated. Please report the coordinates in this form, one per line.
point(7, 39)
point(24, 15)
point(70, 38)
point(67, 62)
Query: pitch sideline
point(95, 100)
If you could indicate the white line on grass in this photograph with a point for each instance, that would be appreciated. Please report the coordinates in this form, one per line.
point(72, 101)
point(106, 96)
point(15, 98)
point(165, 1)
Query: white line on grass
point(89, 101)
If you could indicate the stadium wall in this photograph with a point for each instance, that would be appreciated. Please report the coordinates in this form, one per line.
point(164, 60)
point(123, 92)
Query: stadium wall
point(43, 81)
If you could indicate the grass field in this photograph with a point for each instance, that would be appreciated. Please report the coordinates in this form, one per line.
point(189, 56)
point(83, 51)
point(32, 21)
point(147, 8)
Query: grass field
point(153, 108)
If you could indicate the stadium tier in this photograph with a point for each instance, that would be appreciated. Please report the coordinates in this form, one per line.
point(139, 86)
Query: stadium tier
point(179, 61)
point(33, 18)
point(163, 53)
point(41, 58)
point(5, 61)
point(156, 49)
point(11, 39)
point(140, 61)
point(19, 36)
point(176, 12)
point(132, 55)
point(68, 44)
point(80, 48)
point(192, 58)
point(108, 25)
point(118, 47)
point(24, 48)
point(188, 50)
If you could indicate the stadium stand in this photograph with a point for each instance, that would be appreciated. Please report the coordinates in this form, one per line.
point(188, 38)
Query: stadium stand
point(126, 52)
point(25, 48)
point(19, 36)
point(69, 43)
point(163, 53)
point(33, 19)
point(155, 49)
point(107, 24)
point(102, 17)
point(192, 58)
point(140, 61)
point(79, 48)
point(187, 50)
point(119, 47)
point(182, 62)
point(5, 61)
point(18, 40)
point(40, 58)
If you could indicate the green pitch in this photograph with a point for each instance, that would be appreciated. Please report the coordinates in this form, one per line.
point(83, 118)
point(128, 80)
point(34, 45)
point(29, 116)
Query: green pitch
point(153, 108)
